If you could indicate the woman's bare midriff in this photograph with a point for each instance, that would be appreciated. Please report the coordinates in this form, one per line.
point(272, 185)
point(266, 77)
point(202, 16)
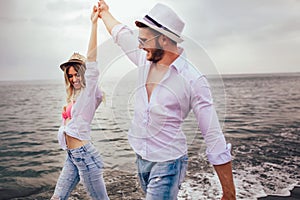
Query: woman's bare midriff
point(73, 143)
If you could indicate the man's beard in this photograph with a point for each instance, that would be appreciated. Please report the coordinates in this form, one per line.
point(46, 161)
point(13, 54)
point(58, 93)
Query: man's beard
point(157, 54)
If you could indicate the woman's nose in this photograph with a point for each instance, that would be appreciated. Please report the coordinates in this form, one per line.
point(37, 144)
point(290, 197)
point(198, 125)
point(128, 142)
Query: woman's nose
point(74, 78)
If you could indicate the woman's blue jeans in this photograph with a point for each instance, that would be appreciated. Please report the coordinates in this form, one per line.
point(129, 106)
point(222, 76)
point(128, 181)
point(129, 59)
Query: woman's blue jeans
point(161, 180)
point(84, 164)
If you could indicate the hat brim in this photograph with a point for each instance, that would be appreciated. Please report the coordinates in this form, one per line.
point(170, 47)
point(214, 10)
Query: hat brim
point(161, 30)
point(71, 62)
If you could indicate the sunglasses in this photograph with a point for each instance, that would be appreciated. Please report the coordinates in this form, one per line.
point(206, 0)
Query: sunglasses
point(142, 42)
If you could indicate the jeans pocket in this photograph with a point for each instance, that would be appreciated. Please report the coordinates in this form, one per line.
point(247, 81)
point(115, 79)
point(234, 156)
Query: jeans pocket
point(97, 161)
point(78, 160)
point(182, 170)
point(162, 169)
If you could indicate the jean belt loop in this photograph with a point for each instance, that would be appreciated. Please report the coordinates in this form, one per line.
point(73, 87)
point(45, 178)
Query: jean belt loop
point(140, 157)
point(69, 153)
point(84, 148)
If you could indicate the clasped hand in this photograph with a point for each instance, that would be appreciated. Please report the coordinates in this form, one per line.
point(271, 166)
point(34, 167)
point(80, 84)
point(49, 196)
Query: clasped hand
point(102, 6)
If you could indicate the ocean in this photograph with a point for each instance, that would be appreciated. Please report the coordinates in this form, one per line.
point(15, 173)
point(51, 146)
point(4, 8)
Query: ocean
point(260, 116)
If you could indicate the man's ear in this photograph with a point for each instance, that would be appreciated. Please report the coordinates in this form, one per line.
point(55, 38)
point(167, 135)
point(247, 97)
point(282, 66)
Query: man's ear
point(164, 39)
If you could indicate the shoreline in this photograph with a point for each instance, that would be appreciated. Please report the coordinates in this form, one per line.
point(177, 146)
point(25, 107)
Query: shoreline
point(125, 185)
point(294, 195)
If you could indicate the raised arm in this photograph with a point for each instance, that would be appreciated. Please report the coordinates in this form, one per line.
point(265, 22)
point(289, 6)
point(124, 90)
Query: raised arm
point(122, 35)
point(108, 20)
point(92, 48)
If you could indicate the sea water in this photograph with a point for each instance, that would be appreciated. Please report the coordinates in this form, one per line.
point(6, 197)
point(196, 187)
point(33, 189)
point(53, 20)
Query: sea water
point(259, 114)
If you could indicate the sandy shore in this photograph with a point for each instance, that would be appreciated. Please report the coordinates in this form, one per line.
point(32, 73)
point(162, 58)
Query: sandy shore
point(125, 186)
point(200, 183)
point(119, 185)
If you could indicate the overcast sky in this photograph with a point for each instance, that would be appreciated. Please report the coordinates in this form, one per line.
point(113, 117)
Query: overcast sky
point(240, 36)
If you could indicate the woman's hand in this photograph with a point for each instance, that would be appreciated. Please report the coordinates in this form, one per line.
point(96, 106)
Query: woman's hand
point(92, 48)
point(94, 15)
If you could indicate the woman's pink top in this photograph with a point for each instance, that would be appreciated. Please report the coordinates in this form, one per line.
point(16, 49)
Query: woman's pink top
point(67, 113)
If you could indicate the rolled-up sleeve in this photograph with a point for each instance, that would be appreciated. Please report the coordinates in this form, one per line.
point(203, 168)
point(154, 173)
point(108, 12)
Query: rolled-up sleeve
point(218, 152)
point(127, 39)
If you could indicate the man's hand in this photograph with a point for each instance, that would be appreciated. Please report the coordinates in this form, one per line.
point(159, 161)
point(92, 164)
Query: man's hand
point(106, 16)
point(102, 7)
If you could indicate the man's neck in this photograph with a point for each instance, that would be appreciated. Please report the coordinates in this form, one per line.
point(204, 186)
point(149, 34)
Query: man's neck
point(169, 57)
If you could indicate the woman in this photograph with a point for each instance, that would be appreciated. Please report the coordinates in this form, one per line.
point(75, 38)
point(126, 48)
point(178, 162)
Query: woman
point(83, 161)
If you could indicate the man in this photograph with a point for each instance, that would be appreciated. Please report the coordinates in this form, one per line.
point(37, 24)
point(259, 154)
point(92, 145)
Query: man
point(169, 87)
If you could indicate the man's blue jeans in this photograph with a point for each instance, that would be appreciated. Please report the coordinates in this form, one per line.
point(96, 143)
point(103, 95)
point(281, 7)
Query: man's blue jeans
point(82, 163)
point(161, 180)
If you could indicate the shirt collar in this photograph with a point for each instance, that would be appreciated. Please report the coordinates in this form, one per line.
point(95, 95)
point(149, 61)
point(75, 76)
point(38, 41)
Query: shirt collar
point(179, 62)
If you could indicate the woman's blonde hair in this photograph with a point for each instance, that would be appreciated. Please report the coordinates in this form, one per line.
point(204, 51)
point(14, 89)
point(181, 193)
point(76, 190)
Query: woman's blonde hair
point(71, 96)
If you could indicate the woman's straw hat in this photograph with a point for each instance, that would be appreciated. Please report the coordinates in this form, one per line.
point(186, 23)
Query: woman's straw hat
point(76, 58)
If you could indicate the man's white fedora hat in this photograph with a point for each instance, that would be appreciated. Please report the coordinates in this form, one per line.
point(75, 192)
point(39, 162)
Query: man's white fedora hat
point(164, 20)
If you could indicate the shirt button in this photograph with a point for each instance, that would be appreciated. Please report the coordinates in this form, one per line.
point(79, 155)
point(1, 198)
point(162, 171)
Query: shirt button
point(145, 122)
point(149, 121)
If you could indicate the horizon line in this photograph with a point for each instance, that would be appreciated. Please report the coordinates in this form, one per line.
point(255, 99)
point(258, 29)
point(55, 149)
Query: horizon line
point(224, 74)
